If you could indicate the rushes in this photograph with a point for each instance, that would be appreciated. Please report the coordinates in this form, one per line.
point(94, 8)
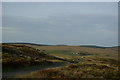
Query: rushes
point(81, 70)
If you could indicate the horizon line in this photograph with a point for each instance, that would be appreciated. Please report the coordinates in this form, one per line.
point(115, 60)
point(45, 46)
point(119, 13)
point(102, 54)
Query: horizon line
point(59, 44)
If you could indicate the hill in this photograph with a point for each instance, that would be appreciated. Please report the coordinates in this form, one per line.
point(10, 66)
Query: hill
point(24, 51)
point(15, 56)
point(72, 51)
point(27, 43)
point(85, 62)
point(93, 46)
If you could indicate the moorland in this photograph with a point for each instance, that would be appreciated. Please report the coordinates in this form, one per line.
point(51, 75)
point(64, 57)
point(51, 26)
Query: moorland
point(59, 61)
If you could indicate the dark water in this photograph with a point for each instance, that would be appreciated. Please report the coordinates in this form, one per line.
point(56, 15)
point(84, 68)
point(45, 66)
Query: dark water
point(12, 74)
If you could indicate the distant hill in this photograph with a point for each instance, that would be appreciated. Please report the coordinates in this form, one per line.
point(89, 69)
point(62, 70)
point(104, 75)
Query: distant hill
point(28, 44)
point(115, 48)
point(90, 46)
point(94, 46)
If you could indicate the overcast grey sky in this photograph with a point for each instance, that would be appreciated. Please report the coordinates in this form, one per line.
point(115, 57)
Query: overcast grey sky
point(70, 23)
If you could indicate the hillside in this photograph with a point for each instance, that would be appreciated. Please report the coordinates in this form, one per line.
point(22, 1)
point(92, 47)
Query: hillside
point(77, 71)
point(82, 62)
point(72, 51)
point(24, 51)
point(22, 56)
point(87, 63)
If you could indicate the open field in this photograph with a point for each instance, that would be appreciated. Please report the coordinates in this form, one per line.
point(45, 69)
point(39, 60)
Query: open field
point(69, 50)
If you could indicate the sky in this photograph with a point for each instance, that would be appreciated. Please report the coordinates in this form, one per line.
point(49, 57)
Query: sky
point(0, 22)
point(68, 23)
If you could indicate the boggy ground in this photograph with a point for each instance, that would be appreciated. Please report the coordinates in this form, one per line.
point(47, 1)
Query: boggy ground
point(83, 62)
point(100, 68)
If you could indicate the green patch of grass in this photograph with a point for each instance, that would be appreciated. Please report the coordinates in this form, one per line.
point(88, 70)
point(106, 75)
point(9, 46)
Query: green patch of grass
point(65, 52)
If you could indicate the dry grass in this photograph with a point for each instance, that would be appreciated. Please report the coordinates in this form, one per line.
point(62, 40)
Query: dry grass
point(81, 70)
point(102, 64)
point(73, 49)
point(55, 60)
point(17, 56)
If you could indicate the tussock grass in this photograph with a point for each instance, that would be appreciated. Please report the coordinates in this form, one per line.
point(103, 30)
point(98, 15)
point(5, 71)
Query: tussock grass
point(79, 70)
point(103, 63)
point(18, 56)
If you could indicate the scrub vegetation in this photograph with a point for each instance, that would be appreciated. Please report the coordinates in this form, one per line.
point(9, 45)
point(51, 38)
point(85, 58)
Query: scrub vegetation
point(82, 62)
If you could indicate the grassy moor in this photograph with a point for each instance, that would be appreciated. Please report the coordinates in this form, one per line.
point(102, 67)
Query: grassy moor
point(70, 61)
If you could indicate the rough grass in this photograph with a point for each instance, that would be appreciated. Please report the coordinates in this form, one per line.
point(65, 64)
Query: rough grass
point(97, 68)
point(67, 50)
point(11, 56)
point(16, 63)
point(83, 70)
point(103, 64)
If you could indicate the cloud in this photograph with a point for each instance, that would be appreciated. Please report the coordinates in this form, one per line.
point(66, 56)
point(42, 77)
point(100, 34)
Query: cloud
point(11, 30)
point(61, 23)
point(63, 29)
point(11, 33)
